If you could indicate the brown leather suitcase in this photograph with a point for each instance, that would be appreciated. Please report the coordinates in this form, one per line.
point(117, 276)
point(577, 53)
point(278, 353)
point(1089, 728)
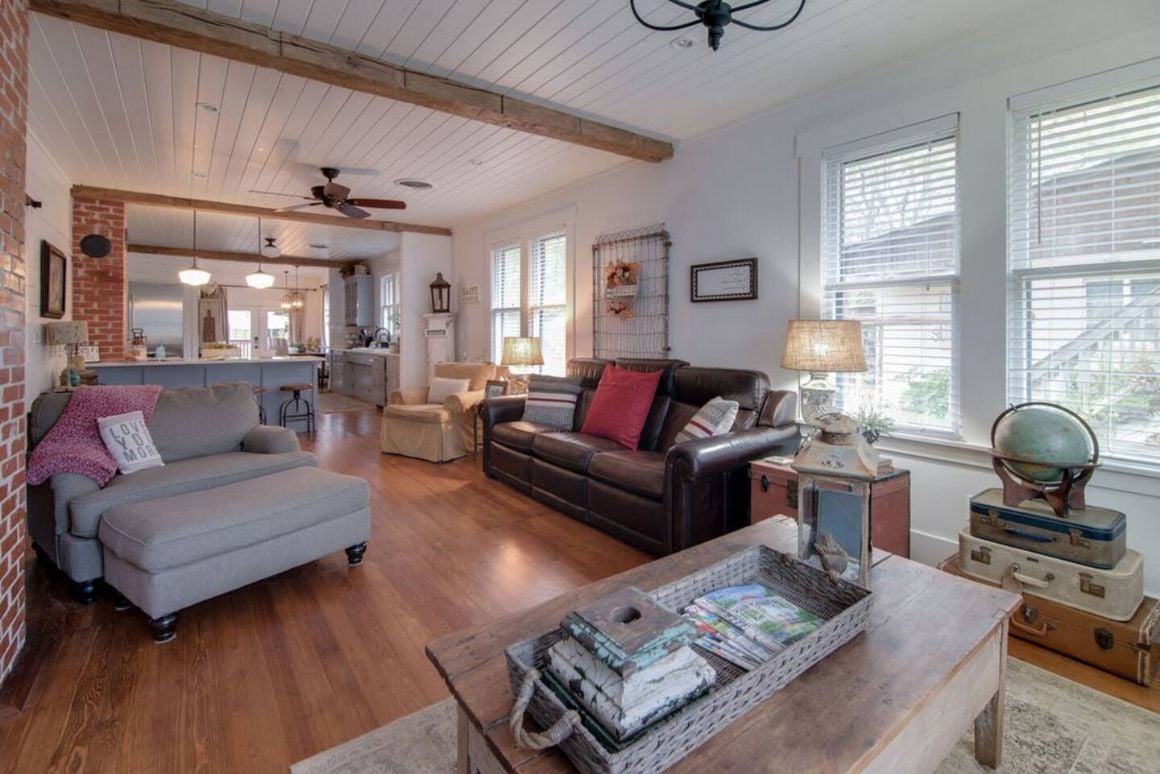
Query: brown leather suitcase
point(1125, 648)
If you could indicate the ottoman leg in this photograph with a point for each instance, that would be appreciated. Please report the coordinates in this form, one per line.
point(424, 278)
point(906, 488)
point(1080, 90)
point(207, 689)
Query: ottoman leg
point(121, 603)
point(354, 554)
point(164, 628)
point(85, 592)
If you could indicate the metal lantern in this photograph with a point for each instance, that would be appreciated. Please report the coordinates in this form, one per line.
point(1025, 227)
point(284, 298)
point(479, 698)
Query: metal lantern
point(440, 295)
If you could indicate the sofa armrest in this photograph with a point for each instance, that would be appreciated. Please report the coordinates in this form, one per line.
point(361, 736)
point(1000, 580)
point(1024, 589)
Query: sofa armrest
point(67, 487)
point(496, 411)
point(270, 439)
point(462, 402)
point(411, 396)
point(717, 454)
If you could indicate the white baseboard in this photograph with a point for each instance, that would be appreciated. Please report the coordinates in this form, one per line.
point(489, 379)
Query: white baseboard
point(930, 549)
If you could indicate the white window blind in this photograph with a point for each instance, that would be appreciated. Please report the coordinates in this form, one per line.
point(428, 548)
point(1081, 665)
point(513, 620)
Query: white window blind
point(890, 259)
point(506, 289)
point(390, 308)
point(1084, 263)
point(547, 300)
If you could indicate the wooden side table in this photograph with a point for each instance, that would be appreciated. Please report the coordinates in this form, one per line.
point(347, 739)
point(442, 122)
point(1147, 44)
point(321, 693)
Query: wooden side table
point(773, 490)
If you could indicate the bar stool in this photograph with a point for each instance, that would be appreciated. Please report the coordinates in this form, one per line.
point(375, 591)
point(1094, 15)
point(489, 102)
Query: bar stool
point(296, 407)
point(258, 392)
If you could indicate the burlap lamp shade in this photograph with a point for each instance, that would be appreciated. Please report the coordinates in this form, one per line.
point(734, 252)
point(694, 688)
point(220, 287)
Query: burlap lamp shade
point(822, 347)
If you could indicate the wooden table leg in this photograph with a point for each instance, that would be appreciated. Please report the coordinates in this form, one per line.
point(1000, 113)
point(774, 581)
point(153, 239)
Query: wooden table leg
point(462, 761)
point(989, 723)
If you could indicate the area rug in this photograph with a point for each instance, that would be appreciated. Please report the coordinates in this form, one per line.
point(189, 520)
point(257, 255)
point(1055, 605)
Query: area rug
point(334, 403)
point(1053, 726)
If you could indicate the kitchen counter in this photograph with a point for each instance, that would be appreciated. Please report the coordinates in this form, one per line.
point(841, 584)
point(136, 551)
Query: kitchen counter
point(270, 373)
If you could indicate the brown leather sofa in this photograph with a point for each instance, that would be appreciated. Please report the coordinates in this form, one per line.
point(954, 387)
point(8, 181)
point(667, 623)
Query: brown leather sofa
point(664, 496)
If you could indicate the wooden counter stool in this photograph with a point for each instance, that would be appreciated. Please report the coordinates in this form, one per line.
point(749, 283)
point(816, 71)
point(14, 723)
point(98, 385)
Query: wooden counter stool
point(258, 392)
point(297, 407)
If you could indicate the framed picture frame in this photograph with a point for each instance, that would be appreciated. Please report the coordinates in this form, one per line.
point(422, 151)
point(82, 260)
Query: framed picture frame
point(495, 388)
point(53, 281)
point(723, 281)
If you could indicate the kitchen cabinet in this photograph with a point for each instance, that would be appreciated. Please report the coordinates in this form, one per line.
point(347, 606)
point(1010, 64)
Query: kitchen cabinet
point(338, 372)
point(366, 375)
point(359, 300)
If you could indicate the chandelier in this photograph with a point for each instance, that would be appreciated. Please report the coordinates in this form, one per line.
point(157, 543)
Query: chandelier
point(716, 15)
point(293, 300)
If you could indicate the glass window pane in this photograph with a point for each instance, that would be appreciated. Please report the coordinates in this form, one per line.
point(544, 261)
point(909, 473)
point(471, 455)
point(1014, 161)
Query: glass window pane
point(240, 325)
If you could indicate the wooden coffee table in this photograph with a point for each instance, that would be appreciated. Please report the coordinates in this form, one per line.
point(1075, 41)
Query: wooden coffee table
point(895, 699)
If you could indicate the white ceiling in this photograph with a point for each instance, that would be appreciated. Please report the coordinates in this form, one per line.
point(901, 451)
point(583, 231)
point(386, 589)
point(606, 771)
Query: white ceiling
point(120, 112)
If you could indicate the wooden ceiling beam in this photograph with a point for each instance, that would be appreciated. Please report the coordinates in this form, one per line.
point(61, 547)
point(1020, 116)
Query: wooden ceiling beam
point(184, 26)
point(229, 208)
point(227, 255)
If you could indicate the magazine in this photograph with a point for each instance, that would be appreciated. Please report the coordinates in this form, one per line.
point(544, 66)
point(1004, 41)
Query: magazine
point(769, 619)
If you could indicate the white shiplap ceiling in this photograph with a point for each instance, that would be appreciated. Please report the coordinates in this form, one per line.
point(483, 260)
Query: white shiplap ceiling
point(121, 112)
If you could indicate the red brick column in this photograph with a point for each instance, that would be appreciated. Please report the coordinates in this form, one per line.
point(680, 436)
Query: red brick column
point(13, 120)
point(100, 289)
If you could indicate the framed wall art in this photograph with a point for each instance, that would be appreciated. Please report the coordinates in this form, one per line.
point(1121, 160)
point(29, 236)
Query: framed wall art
point(53, 281)
point(495, 388)
point(724, 281)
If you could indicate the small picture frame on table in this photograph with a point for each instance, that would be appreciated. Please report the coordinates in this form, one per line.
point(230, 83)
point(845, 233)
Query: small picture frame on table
point(53, 281)
point(495, 388)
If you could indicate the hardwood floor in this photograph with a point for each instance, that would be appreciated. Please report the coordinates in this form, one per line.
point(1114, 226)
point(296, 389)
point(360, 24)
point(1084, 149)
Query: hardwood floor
point(273, 673)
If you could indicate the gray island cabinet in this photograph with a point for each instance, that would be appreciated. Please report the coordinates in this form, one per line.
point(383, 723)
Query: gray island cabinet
point(367, 374)
point(269, 373)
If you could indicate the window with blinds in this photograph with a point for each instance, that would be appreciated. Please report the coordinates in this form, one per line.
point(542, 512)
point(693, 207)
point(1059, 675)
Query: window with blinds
point(389, 307)
point(1083, 199)
point(547, 299)
point(890, 259)
point(529, 297)
point(506, 289)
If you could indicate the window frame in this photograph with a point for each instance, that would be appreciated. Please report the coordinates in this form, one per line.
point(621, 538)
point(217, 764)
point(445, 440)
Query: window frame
point(832, 160)
point(387, 307)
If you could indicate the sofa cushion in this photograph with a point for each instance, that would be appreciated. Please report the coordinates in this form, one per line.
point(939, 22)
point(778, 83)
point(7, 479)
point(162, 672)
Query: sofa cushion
point(552, 400)
point(476, 374)
point(175, 531)
point(193, 475)
point(199, 421)
point(714, 418)
point(640, 472)
point(571, 450)
point(679, 415)
point(422, 412)
point(443, 387)
point(519, 435)
point(622, 404)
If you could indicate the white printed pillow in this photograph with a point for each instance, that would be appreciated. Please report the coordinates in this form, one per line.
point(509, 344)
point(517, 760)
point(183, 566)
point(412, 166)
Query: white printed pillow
point(714, 418)
point(129, 442)
point(552, 400)
point(441, 388)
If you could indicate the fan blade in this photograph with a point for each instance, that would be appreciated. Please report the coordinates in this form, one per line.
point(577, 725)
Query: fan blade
point(277, 193)
point(297, 207)
point(335, 191)
point(351, 211)
point(379, 204)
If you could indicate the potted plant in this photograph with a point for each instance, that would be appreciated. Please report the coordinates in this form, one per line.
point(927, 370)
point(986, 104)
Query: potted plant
point(872, 423)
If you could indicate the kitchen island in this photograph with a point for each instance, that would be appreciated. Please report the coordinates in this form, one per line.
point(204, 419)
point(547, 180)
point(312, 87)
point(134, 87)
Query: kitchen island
point(175, 373)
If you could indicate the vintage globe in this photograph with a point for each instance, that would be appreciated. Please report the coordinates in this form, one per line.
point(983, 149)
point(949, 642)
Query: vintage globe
point(1046, 434)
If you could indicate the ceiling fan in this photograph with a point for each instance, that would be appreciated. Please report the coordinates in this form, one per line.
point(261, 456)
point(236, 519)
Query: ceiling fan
point(337, 197)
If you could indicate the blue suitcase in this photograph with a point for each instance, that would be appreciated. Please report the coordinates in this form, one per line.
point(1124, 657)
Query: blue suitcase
point(1096, 537)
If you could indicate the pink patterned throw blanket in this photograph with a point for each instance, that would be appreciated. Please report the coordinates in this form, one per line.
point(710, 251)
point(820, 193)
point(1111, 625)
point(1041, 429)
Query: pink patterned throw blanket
point(74, 444)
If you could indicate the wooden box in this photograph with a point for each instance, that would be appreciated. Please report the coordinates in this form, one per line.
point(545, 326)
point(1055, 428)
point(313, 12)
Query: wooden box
point(774, 490)
point(1125, 648)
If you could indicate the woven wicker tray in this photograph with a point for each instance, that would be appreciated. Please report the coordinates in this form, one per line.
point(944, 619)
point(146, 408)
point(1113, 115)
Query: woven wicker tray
point(845, 606)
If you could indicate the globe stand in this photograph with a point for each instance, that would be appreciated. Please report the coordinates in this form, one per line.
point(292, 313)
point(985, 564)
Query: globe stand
point(1063, 495)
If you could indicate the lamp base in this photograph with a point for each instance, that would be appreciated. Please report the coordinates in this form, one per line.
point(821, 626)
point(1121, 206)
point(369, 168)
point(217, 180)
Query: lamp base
point(817, 398)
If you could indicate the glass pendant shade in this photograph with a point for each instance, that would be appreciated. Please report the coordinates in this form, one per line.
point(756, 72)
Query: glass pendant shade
point(193, 275)
point(260, 279)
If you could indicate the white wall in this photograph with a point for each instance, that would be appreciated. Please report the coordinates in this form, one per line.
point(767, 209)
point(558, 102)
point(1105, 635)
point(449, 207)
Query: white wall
point(421, 256)
point(743, 192)
point(52, 222)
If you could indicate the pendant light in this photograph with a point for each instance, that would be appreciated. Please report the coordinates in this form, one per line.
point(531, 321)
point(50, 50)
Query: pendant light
point(287, 300)
point(297, 300)
point(260, 279)
point(194, 275)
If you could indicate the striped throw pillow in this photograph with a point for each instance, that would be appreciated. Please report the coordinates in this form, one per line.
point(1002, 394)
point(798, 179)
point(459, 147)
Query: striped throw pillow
point(714, 418)
point(551, 400)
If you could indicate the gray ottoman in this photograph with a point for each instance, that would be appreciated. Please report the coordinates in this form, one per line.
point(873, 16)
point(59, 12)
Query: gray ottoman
point(170, 553)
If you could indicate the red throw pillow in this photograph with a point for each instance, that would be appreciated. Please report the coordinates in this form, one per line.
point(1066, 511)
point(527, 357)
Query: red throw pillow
point(621, 404)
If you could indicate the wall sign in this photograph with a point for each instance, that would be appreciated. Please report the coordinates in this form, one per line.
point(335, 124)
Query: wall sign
point(469, 294)
point(724, 281)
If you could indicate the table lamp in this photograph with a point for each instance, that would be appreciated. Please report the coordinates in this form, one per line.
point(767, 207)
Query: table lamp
point(521, 352)
point(70, 334)
point(822, 347)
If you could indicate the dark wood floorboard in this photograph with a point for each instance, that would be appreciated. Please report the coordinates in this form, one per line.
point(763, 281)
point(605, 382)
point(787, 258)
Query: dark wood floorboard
point(273, 673)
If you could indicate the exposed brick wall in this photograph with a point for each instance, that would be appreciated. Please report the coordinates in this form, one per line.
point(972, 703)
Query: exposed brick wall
point(13, 125)
point(100, 288)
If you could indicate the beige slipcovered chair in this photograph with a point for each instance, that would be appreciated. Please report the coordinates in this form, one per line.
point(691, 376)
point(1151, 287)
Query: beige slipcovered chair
point(430, 431)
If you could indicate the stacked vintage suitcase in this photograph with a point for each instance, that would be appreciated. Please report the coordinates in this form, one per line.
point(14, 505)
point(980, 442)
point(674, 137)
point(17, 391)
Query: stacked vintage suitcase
point(1083, 592)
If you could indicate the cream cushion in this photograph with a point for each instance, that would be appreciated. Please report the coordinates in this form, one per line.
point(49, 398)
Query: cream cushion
point(441, 388)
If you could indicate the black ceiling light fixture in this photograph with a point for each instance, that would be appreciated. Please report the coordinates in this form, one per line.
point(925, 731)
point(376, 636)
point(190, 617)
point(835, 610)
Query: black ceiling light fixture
point(716, 15)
